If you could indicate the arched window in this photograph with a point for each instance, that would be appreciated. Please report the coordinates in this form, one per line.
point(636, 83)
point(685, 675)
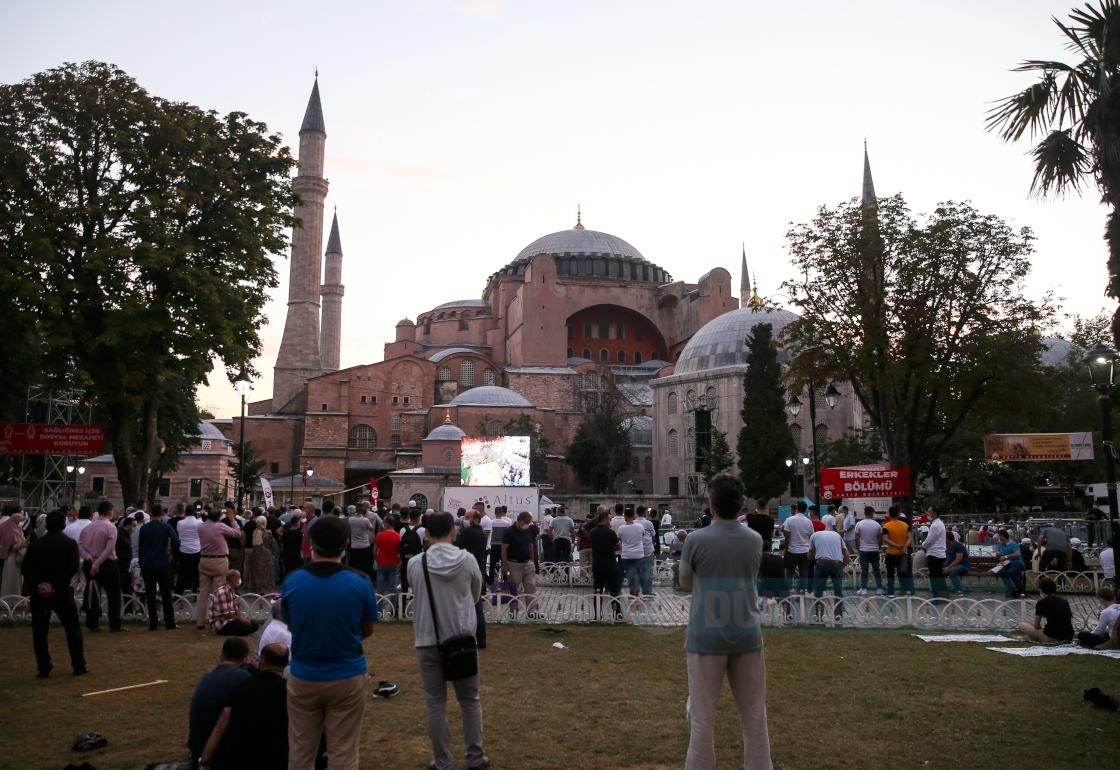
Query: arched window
point(637, 357)
point(494, 428)
point(488, 377)
point(820, 435)
point(420, 499)
point(795, 432)
point(713, 397)
point(587, 353)
point(448, 455)
point(362, 437)
point(635, 464)
point(649, 464)
point(466, 373)
point(621, 356)
point(674, 443)
point(445, 374)
point(463, 325)
point(604, 355)
point(690, 443)
point(672, 403)
point(395, 422)
point(690, 399)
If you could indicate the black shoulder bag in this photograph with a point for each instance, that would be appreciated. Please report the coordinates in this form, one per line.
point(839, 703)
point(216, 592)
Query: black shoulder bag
point(459, 654)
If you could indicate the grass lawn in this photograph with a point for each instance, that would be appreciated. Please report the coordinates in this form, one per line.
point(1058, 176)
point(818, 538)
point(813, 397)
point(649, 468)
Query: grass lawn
point(614, 699)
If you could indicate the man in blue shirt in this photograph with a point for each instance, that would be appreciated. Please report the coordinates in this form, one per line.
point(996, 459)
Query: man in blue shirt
point(719, 565)
point(211, 695)
point(157, 539)
point(329, 609)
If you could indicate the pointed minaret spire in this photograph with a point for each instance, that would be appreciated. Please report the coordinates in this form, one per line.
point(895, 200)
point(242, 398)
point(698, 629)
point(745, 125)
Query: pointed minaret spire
point(579, 219)
point(313, 115)
point(334, 243)
point(330, 335)
point(869, 198)
point(744, 281)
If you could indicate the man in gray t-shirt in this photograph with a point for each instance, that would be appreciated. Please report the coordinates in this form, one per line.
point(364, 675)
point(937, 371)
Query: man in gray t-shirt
point(561, 531)
point(719, 565)
point(1056, 549)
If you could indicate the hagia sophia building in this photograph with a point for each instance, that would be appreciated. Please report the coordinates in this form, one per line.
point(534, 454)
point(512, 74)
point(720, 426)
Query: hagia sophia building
point(471, 366)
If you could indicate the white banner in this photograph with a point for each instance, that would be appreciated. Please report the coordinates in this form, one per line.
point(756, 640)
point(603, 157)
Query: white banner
point(267, 489)
point(517, 499)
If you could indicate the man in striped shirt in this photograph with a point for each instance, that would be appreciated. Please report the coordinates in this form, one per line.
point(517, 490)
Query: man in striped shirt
point(97, 546)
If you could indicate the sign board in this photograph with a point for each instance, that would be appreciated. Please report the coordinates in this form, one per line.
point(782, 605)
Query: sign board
point(865, 482)
point(1036, 447)
point(878, 504)
point(517, 499)
point(266, 489)
point(46, 439)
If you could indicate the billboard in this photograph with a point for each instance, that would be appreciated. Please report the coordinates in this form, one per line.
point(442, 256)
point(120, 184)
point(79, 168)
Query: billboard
point(18, 438)
point(865, 481)
point(1036, 447)
point(494, 462)
point(517, 499)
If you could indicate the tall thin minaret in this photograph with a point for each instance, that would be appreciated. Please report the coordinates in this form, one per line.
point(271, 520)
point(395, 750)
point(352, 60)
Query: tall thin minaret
point(868, 198)
point(331, 292)
point(299, 358)
point(744, 281)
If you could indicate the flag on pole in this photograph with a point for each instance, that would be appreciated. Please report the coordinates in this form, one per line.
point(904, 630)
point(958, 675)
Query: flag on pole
point(266, 488)
point(374, 493)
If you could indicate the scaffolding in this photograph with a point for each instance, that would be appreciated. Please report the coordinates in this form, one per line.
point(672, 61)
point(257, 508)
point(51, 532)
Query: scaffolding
point(44, 482)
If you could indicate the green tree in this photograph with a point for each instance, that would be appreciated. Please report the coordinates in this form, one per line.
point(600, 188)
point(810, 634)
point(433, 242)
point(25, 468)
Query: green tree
point(136, 233)
point(538, 446)
point(718, 458)
point(855, 447)
point(600, 450)
point(1075, 107)
point(253, 466)
point(926, 319)
point(765, 442)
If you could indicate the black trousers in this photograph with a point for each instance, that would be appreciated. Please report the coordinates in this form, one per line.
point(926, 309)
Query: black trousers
point(60, 603)
point(492, 574)
point(187, 576)
point(798, 564)
point(237, 627)
point(562, 550)
point(162, 576)
point(1090, 640)
point(936, 565)
point(1053, 561)
point(109, 579)
point(361, 559)
point(607, 577)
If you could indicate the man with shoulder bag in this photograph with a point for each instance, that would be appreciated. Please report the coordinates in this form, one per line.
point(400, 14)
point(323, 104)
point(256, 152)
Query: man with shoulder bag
point(447, 585)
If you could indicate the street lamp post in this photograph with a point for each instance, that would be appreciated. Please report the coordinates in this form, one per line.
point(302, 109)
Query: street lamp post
point(242, 386)
point(1101, 363)
point(831, 398)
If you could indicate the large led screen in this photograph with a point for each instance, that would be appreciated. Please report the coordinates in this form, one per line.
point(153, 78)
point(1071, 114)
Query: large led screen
point(495, 462)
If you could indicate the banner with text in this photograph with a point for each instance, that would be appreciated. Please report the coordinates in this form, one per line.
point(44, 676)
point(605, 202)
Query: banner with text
point(517, 499)
point(17, 438)
point(266, 489)
point(1037, 447)
point(865, 482)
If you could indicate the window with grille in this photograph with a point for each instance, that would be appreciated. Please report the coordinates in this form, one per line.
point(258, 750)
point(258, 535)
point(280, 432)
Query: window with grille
point(672, 403)
point(448, 455)
point(444, 374)
point(713, 397)
point(488, 377)
point(674, 485)
point(395, 422)
point(362, 437)
point(206, 445)
point(619, 332)
point(621, 356)
point(466, 374)
point(195, 487)
point(164, 489)
point(587, 330)
point(571, 353)
point(494, 428)
point(463, 325)
point(587, 353)
point(396, 400)
point(820, 435)
point(674, 443)
point(407, 400)
point(637, 357)
point(395, 440)
point(693, 486)
point(274, 468)
point(795, 433)
point(604, 355)
point(635, 464)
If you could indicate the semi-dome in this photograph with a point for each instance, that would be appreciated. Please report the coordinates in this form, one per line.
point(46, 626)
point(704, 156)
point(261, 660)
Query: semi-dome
point(448, 431)
point(723, 340)
point(490, 395)
point(405, 322)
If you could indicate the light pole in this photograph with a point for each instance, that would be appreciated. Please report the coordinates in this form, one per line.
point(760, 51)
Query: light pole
point(81, 469)
point(1101, 363)
point(832, 398)
point(242, 386)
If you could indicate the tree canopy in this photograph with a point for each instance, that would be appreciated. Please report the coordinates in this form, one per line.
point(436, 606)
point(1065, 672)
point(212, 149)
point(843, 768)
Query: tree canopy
point(600, 450)
point(135, 237)
point(925, 317)
point(765, 442)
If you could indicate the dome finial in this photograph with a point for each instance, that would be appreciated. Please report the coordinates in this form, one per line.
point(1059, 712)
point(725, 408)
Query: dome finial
point(579, 219)
point(756, 302)
point(447, 417)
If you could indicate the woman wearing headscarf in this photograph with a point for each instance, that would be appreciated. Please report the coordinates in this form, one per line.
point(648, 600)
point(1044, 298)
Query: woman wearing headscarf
point(259, 566)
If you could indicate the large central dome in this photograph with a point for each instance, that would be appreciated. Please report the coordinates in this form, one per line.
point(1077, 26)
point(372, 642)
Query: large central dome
point(580, 243)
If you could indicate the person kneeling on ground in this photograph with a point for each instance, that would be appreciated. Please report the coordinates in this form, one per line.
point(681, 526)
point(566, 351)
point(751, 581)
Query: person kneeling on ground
point(212, 694)
point(1055, 610)
point(223, 609)
point(447, 585)
point(1106, 625)
point(252, 729)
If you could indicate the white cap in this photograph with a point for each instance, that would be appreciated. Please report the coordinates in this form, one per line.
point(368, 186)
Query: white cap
point(1025, 541)
point(411, 503)
point(1075, 541)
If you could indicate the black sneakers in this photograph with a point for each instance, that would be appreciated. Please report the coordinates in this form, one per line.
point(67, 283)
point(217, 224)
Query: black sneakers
point(385, 689)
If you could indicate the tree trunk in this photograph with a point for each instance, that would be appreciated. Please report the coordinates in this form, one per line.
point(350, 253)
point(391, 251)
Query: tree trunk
point(134, 465)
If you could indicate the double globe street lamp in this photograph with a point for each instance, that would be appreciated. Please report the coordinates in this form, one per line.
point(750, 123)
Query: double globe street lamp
point(832, 398)
point(1101, 363)
point(81, 469)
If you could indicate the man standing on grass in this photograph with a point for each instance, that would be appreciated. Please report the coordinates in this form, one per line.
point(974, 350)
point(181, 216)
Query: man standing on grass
point(798, 530)
point(98, 547)
point(868, 538)
point(724, 634)
point(157, 542)
point(329, 609)
point(48, 567)
point(934, 546)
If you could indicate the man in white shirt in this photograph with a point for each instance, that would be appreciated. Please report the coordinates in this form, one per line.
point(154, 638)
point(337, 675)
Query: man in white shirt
point(649, 533)
point(829, 521)
point(74, 528)
point(1108, 564)
point(190, 552)
point(798, 530)
point(547, 553)
point(667, 521)
point(618, 519)
point(828, 554)
point(632, 535)
point(275, 631)
point(934, 546)
point(868, 537)
point(1106, 624)
point(846, 526)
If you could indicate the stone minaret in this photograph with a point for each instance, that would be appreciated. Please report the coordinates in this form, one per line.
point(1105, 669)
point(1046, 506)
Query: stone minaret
point(744, 281)
point(299, 358)
point(331, 292)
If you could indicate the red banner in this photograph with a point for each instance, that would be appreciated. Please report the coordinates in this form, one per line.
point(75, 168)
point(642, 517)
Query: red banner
point(865, 482)
point(374, 492)
point(46, 439)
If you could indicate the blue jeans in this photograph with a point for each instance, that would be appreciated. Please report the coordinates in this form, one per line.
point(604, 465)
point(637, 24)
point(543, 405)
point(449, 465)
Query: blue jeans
point(631, 571)
point(866, 559)
point(824, 570)
point(645, 574)
point(387, 582)
point(954, 574)
point(1012, 577)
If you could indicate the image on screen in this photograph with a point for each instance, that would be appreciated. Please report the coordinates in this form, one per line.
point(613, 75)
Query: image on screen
point(495, 462)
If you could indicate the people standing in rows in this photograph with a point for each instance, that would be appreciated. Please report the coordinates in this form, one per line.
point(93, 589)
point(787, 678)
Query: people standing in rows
point(846, 525)
point(583, 544)
point(74, 528)
point(213, 538)
point(829, 521)
point(12, 537)
point(956, 562)
point(896, 537)
point(157, 542)
point(190, 552)
point(605, 547)
point(97, 547)
point(127, 530)
point(1108, 561)
point(362, 534)
point(868, 540)
point(225, 615)
point(49, 566)
point(723, 637)
point(547, 554)
point(411, 544)
point(520, 561)
point(472, 539)
point(795, 547)
point(211, 695)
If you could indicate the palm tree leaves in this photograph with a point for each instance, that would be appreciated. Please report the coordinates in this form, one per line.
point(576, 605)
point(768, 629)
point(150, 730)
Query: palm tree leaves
point(1061, 162)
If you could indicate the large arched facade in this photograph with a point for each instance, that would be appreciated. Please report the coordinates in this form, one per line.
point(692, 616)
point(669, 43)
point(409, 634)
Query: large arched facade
point(626, 336)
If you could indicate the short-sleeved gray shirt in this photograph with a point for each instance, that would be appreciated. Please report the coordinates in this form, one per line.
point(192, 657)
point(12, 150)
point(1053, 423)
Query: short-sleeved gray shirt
point(1055, 539)
point(723, 562)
